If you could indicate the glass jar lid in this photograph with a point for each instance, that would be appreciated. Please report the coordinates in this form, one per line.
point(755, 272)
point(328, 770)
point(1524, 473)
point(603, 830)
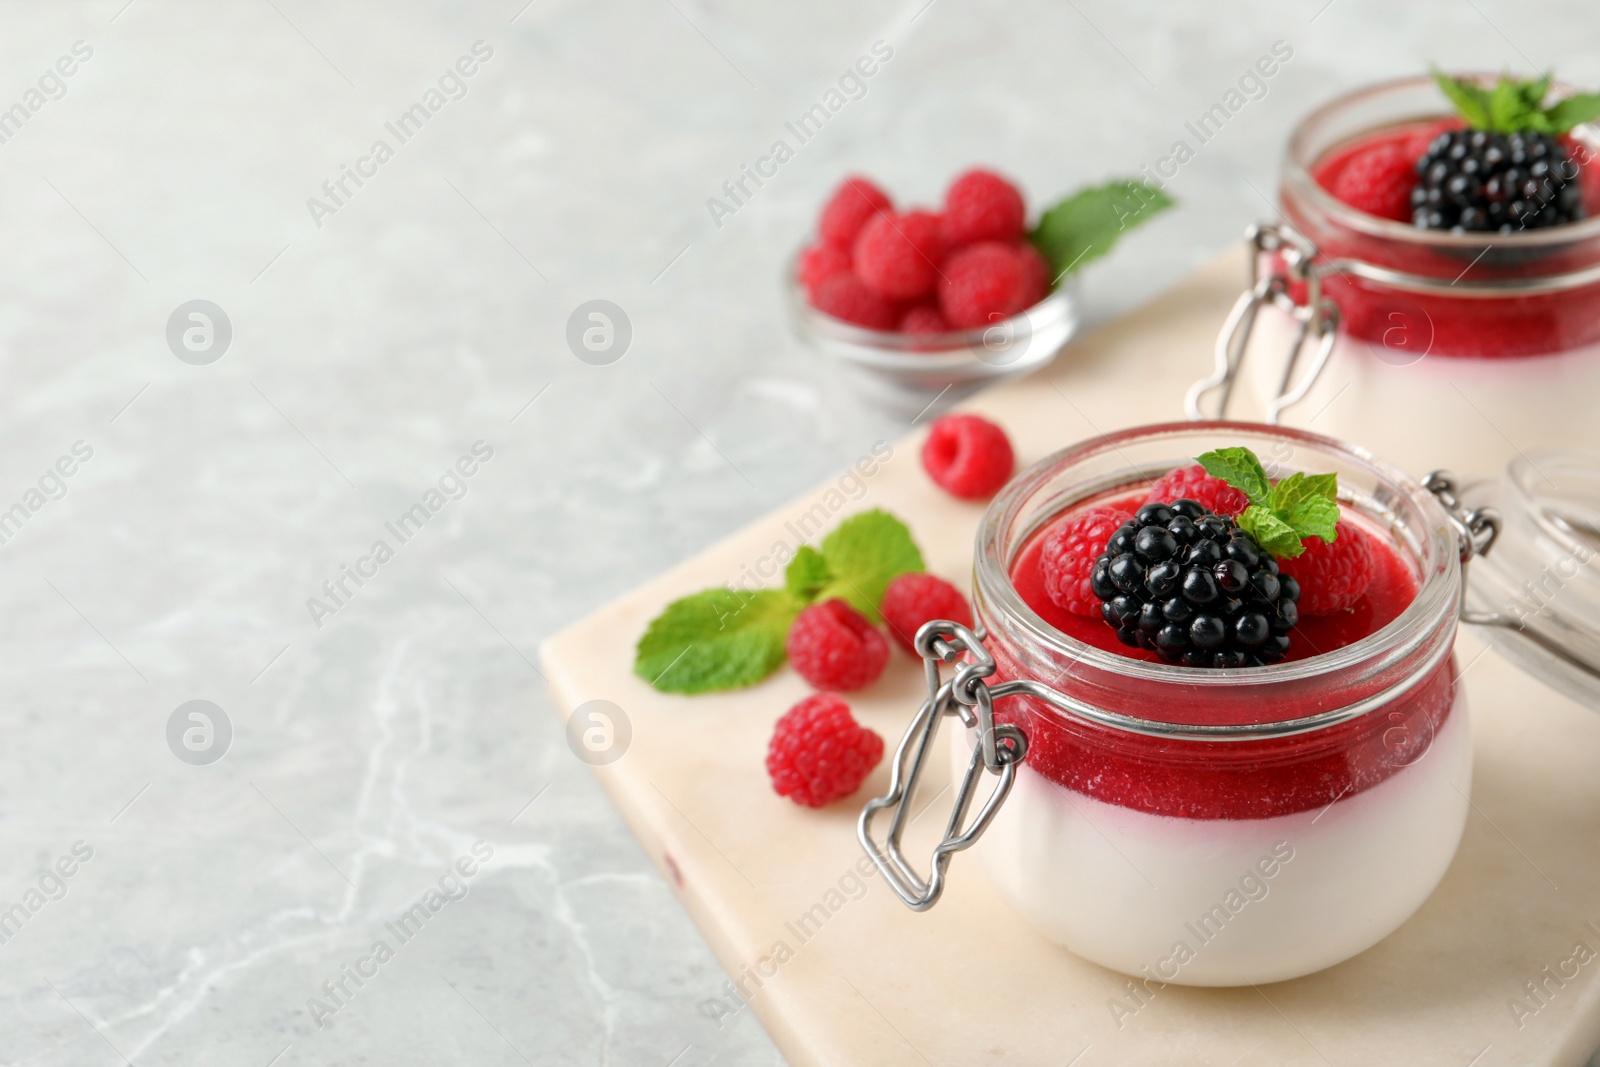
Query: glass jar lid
point(1536, 596)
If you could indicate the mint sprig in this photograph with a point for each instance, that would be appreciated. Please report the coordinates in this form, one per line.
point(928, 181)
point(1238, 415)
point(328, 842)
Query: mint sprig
point(857, 561)
point(723, 638)
point(808, 574)
point(1085, 225)
point(1517, 104)
point(716, 639)
point(1280, 516)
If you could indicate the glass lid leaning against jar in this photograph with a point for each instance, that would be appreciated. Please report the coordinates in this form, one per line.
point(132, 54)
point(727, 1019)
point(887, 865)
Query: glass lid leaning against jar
point(1382, 308)
point(1155, 783)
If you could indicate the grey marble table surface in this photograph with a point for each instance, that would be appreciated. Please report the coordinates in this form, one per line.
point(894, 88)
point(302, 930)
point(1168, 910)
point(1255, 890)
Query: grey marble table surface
point(191, 493)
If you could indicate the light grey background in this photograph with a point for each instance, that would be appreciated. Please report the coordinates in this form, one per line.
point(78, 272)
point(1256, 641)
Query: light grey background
point(369, 353)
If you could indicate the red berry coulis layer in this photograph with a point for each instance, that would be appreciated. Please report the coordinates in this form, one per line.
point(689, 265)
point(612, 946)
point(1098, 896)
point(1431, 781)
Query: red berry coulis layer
point(1233, 780)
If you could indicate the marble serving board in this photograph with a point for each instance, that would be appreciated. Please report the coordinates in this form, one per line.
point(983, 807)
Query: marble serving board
point(840, 972)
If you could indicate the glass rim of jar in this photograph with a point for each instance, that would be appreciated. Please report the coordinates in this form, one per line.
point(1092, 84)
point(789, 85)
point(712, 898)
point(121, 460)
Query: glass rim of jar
point(1299, 159)
point(1407, 635)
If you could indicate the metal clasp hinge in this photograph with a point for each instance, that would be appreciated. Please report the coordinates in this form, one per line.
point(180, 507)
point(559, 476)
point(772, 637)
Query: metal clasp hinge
point(1316, 319)
point(999, 751)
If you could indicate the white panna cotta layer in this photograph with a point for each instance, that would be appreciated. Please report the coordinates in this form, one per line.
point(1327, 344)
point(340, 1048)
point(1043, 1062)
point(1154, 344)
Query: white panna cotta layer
point(1469, 416)
point(1218, 902)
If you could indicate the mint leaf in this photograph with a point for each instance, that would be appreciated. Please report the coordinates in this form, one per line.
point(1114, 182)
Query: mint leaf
point(727, 638)
point(1270, 532)
point(1312, 518)
point(1506, 105)
point(807, 574)
point(1514, 104)
point(1533, 93)
point(863, 554)
point(1536, 122)
point(1308, 503)
point(1573, 111)
point(1240, 468)
point(1471, 101)
point(716, 639)
point(1279, 516)
point(1085, 225)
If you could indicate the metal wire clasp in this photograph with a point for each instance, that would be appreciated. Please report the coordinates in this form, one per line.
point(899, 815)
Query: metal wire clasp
point(999, 751)
point(1476, 528)
point(1316, 318)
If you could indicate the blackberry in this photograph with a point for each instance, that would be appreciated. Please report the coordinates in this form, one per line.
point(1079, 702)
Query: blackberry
point(1194, 588)
point(1477, 181)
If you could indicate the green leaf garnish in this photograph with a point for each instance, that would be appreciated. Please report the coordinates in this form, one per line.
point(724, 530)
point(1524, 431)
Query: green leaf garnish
point(716, 639)
point(1506, 105)
point(1517, 104)
point(1240, 468)
point(727, 638)
point(807, 574)
point(1280, 516)
point(1574, 111)
point(1308, 504)
point(1085, 225)
point(1271, 532)
point(863, 554)
point(1471, 102)
point(1533, 92)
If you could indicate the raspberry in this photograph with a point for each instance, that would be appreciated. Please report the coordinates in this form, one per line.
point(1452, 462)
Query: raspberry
point(898, 255)
point(924, 318)
point(845, 297)
point(988, 282)
point(1589, 182)
point(1193, 483)
point(1038, 272)
point(821, 262)
point(1068, 555)
point(1378, 181)
point(833, 646)
point(913, 599)
point(982, 206)
point(819, 753)
point(1332, 577)
point(967, 456)
point(848, 209)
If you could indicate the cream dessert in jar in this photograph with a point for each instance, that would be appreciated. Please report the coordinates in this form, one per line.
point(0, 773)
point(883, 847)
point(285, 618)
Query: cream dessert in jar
point(1454, 347)
point(1218, 824)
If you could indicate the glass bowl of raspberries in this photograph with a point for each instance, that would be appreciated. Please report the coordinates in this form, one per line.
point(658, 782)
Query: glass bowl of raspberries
point(1227, 647)
point(929, 304)
point(1450, 226)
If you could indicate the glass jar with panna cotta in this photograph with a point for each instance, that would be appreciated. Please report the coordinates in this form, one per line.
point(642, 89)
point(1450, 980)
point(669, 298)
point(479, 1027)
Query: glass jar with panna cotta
point(1435, 347)
point(1194, 825)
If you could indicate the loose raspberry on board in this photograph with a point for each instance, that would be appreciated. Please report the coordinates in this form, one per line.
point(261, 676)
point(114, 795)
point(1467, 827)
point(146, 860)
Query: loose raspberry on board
point(819, 753)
